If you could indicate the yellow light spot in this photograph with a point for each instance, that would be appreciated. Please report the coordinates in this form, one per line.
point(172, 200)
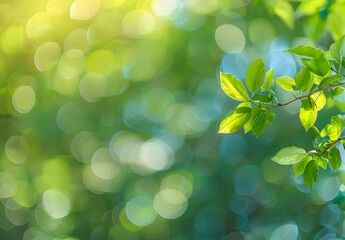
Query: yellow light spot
point(230, 38)
point(170, 203)
point(179, 183)
point(93, 87)
point(103, 165)
point(38, 25)
point(56, 204)
point(155, 155)
point(23, 99)
point(72, 64)
point(47, 56)
point(84, 9)
point(17, 149)
point(14, 39)
point(140, 212)
point(77, 39)
point(138, 23)
point(58, 7)
point(164, 8)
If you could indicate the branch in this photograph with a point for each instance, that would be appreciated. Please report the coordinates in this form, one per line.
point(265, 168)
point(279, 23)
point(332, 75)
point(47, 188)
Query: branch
point(309, 94)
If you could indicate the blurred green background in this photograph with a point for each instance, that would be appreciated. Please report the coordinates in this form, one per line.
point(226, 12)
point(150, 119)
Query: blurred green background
point(109, 118)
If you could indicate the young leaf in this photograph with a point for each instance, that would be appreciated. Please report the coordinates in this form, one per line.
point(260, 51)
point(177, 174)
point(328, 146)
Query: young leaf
point(233, 87)
point(329, 80)
point(307, 51)
point(337, 91)
point(337, 49)
point(304, 80)
point(321, 162)
point(269, 81)
point(318, 64)
point(258, 121)
point(310, 173)
point(255, 75)
point(308, 113)
point(270, 117)
point(287, 83)
point(335, 158)
point(285, 11)
point(314, 131)
point(289, 155)
point(319, 100)
point(299, 167)
point(334, 129)
point(235, 121)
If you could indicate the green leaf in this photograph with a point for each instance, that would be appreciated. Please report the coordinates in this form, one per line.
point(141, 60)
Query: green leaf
point(307, 51)
point(335, 158)
point(289, 155)
point(329, 80)
point(319, 99)
point(299, 167)
point(309, 7)
point(255, 75)
point(263, 96)
point(308, 113)
point(337, 91)
point(334, 129)
point(314, 131)
point(287, 83)
point(269, 80)
point(270, 117)
point(321, 162)
point(233, 87)
point(285, 11)
point(310, 173)
point(258, 121)
point(235, 121)
point(337, 50)
point(304, 80)
point(318, 64)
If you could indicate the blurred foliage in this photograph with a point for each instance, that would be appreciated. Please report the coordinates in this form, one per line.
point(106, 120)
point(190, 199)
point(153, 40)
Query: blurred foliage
point(109, 113)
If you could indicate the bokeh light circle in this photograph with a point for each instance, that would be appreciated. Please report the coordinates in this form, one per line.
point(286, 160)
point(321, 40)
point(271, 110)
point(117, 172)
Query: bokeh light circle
point(170, 203)
point(230, 38)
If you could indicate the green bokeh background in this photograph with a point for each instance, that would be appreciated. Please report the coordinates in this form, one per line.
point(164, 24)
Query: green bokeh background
point(109, 118)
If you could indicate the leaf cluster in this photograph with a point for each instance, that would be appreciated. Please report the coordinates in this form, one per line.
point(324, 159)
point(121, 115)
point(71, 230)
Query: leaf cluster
point(321, 76)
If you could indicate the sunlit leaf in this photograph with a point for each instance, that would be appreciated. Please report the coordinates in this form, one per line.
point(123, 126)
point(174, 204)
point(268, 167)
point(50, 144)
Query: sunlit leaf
point(255, 75)
point(270, 116)
point(235, 121)
point(329, 80)
point(269, 80)
point(308, 113)
point(337, 91)
point(299, 167)
point(309, 7)
point(321, 162)
point(304, 79)
point(233, 87)
point(310, 173)
point(337, 49)
point(335, 158)
point(257, 122)
point(318, 64)
point(319, 99)
point(289, 155)
point(334, 129)
point(314, 131)
point(307, 51)
point(284, 10)
point(286, 83)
